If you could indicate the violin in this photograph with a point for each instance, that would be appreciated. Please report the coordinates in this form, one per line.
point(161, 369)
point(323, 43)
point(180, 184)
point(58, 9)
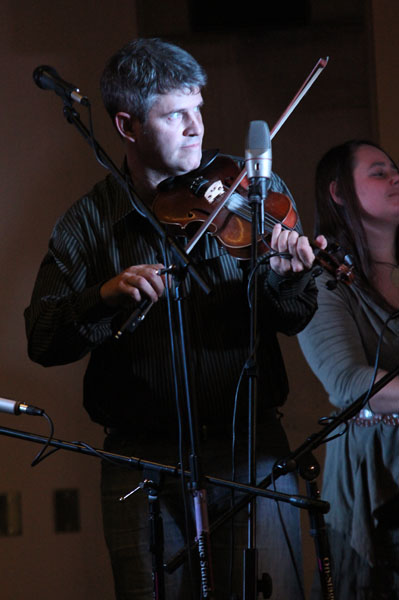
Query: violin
point(196, 201)
point(194, 197)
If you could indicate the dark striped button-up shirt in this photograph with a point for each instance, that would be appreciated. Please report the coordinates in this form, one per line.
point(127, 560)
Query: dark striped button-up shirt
point(130, 382)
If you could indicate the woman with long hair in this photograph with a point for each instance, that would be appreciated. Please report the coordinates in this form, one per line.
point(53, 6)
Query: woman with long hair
point(357, 207)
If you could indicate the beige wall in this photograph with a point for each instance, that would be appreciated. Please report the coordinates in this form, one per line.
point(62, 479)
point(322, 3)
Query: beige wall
point(45, 165)
point(385, 15)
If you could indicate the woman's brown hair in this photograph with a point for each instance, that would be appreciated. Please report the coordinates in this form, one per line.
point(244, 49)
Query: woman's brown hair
point(341, 223)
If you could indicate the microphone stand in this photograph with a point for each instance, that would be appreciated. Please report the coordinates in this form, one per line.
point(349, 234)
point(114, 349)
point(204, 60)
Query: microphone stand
point(183, 267)
point(256, 196)
point(303, 460)
point(197, 488)
point(155, 520)
point(296, 458)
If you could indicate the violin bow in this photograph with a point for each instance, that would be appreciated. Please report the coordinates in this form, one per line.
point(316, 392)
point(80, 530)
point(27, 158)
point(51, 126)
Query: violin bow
point(303, 90)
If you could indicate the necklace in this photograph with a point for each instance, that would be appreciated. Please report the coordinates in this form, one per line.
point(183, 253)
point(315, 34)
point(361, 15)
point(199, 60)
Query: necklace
point(394, 271)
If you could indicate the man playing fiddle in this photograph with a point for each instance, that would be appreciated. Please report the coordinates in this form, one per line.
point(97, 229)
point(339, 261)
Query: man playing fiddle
point(104, 257)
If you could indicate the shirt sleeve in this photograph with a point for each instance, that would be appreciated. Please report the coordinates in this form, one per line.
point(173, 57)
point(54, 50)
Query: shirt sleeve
point(66, 317)
point(292, 300)
point(292, 297)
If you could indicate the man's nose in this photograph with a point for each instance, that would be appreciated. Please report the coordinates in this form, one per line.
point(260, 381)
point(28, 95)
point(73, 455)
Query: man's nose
point(194, 124)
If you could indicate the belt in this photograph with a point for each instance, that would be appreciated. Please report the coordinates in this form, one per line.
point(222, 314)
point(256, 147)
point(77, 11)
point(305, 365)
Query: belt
point(367, 418)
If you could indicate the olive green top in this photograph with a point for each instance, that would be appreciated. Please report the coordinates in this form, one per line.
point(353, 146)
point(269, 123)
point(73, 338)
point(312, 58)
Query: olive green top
point(361, 472)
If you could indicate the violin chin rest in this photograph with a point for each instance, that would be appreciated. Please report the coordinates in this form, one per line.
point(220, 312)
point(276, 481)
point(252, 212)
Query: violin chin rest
point(208, 156)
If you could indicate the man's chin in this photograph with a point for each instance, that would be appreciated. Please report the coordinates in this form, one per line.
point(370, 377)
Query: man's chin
point(191, 164)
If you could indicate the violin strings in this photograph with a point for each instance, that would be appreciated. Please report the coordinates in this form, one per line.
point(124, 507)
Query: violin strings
point(237, 205)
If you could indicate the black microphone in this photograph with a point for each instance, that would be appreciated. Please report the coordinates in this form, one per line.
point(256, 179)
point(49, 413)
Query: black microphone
point(18, 408)
point(47, 78)
point(258, 162)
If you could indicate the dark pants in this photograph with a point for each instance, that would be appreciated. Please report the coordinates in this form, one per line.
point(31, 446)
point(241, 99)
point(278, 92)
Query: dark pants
point(126, 523)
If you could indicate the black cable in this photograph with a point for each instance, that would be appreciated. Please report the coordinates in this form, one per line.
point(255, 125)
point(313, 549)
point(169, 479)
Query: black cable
point(93, 140)
point(40, 455)
point(260, 261)
point(377, 357)
point(287, 537)
point(331, 419)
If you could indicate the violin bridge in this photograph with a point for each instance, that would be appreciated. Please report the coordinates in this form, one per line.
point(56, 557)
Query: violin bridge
point(199, 186)
point(214, 191)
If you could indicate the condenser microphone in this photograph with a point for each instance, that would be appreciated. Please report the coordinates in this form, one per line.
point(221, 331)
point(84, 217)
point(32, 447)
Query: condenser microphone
point(19, 408)
point(258, 153)
point(47, 78)
point(258, 162)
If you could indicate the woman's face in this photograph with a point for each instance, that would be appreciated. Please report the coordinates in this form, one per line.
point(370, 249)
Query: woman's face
point(376, 181)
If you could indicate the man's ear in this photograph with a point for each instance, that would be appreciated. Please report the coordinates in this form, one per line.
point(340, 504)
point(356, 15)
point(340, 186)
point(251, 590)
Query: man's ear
point(124, 124)
point(334, 195)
